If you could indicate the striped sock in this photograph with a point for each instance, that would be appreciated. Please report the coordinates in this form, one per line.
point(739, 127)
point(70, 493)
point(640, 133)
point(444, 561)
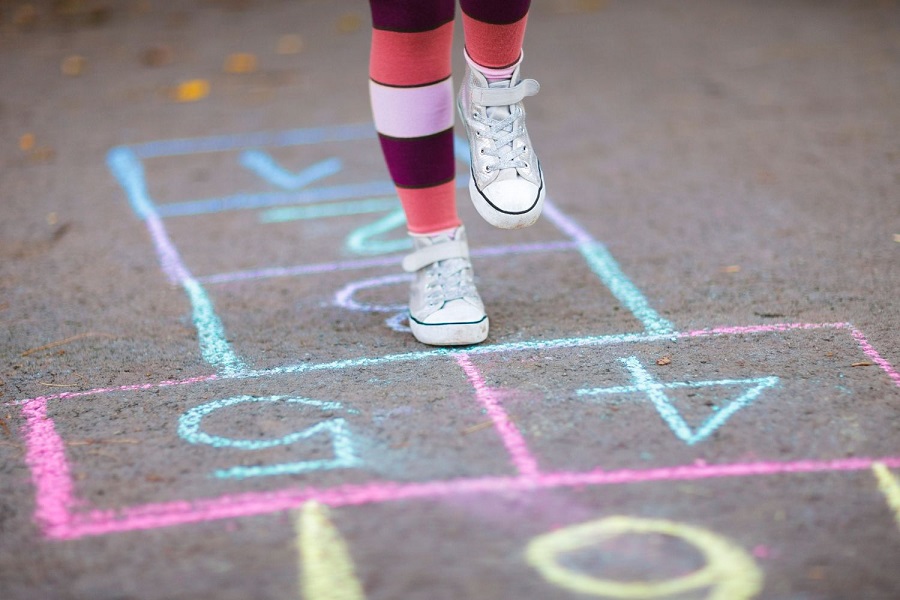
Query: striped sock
point(494, 33)
point(411, 91)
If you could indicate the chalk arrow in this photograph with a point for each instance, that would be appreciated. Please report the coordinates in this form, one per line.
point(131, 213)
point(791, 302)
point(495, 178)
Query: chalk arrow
point(266, 167)
point(643, 382)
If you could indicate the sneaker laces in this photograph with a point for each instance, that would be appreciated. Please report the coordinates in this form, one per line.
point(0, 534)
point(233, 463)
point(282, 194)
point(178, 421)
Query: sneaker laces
point(503, 127)
point(448, 280)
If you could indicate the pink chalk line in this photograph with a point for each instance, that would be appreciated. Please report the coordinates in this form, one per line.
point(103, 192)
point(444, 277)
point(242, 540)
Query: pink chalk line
point(55, 497)
point(122, 388)
point(762, 329)
point(876, 358)
point(718, 331)
point(506, 429)
point(168, 514)
point(45, 455)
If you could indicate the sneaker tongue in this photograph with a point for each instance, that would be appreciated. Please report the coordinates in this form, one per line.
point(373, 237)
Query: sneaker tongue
point(499, 112)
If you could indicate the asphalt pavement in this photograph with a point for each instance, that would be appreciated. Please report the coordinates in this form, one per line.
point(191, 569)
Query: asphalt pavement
point(690, 388)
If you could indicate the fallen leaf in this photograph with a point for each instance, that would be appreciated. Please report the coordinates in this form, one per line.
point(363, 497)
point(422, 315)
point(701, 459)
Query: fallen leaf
point(289, 44)
point(26, 142)
point(25, 16)
point(816, 573)
point(665, 360)
point(240, 62)
point(191, 90)
point(349, 22)
point(73, 65)
point(864, 363)
point(157, 56)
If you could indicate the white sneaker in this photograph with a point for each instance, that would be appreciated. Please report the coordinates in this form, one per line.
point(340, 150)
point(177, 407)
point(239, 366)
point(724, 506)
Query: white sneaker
point(506, 182)
point(444, 306)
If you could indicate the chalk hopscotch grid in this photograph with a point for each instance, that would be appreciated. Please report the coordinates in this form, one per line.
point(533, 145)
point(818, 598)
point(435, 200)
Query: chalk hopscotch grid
point(126, 164)
point(45, 450)
point(61, 515)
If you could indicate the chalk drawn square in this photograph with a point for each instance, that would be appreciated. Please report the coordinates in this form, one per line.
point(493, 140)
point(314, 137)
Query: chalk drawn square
point(223, 238)
point(321, 429)
point(719, 399)
point(516, 418)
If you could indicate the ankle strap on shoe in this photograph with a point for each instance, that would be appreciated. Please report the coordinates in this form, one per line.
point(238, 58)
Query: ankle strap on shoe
point(431, 254)
point(505, 96)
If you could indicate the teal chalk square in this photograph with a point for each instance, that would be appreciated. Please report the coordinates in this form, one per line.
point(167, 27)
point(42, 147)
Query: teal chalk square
point(386, 423)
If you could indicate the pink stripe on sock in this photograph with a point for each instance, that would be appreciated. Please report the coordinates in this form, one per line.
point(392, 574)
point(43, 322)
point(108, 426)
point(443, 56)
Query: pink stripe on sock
point(430, 209)
point(493, 74)
point(412, 112)
point(494, 46)
point(400, 58)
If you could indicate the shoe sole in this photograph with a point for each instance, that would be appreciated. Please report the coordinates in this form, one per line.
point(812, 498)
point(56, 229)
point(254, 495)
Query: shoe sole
point(450, 334)
point(504, 219)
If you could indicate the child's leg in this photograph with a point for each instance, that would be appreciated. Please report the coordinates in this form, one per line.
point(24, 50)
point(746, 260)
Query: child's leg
point(494, 33)
point(412, 103)
point(506, 183)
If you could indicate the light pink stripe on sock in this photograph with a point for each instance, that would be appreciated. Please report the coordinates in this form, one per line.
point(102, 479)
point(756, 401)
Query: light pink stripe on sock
point(493, 74)
point(412, 112)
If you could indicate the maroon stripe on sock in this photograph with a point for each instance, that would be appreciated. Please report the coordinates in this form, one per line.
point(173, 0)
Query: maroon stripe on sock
point(420, 162)
point(494, 12)
point(411, 16)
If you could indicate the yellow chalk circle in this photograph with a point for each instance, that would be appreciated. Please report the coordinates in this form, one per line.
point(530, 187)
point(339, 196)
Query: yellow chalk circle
point(191, 90)
point(890, 487)
point(730, 571)
point(324, 559)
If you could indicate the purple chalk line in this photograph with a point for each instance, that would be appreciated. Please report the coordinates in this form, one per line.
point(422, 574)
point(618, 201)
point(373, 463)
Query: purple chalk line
point(348, 265)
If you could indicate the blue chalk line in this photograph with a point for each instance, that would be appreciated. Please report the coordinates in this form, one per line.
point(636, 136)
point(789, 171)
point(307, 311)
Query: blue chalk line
point(361, 240)
point(333, 209)
point(644, 382)
point(214, 346)
point(268, 169)
point(342, 440)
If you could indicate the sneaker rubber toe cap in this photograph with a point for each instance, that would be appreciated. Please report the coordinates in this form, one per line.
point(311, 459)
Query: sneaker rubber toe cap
point(459, 310)
point(514, 196)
